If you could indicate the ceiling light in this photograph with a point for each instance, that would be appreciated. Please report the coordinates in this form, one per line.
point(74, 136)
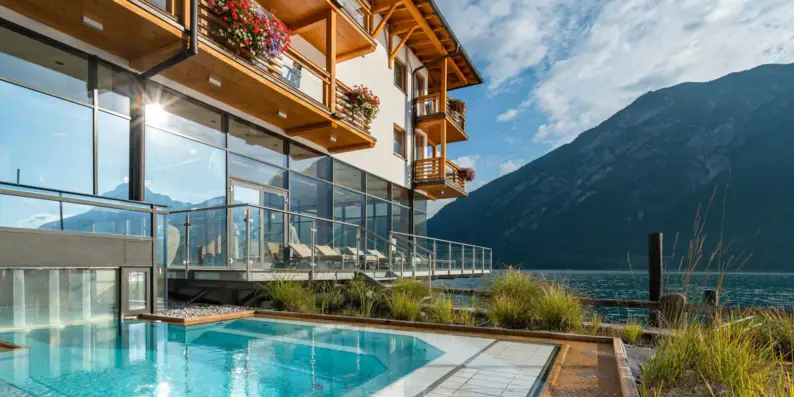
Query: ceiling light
point(282, 114)
point(92, 23)
point(332, 138)
point(215, 82)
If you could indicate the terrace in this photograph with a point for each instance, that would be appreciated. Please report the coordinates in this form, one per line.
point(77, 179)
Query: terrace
point(289, 91)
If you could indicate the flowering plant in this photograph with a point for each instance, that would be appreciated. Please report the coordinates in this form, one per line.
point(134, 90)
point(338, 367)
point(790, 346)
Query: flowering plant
point(466, 173)
point(250, 29)
point(362, 100)
point(457, 105)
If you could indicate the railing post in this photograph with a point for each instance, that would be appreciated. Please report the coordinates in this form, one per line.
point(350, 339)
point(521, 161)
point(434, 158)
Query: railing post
point(313, 263)
point(247, 243)
point(390, 246)
point(187, 244)
point(358, 248)
point(655, 272)
point(432, 272)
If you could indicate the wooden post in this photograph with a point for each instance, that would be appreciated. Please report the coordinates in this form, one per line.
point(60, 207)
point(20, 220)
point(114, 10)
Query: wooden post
point(442, 97)
point(655, 274)
point(655, 267)
point(711, 297)
point(330, 58)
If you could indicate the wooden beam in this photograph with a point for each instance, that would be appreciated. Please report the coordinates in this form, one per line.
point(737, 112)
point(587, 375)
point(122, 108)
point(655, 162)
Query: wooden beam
point(443, 108)
point(306, 23)
point(456, 69)
point(386, 17)
point(310, 128)
point(353, 54)
point(350, 148)
point(400, 46)
point(443, 91)
point(153, 58)
point(330, 57)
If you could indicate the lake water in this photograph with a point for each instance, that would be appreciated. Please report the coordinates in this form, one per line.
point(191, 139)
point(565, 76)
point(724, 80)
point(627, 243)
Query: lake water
point(738, 289)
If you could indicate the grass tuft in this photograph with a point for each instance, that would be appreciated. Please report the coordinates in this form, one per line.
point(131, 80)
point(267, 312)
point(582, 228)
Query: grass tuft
point(404, 306)
point(632, 332)
point(289, 295)
point(557, 309)
point(508, 312)
point(442, 309)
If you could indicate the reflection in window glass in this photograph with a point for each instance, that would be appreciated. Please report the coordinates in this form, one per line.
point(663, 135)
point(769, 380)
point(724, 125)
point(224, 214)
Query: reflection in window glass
point(254, 171)
point(309, 162)
point(309, 196)
point(39, 65)
point(256, 144)
point(420, 203)
point(377, 187)
point(181, 173)
point(401, 195)
point(420, 224)
point(400, 218)
point(35, 150)
point(113, 156)
point(29, 213)
point(136, 297)
point(101, 220)
point(348, 206)
point(378, 216)
point(114, 90)
point(348, 176)
point(172, 113)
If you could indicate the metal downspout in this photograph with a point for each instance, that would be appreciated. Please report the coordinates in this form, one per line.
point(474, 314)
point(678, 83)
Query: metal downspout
point(192, 49)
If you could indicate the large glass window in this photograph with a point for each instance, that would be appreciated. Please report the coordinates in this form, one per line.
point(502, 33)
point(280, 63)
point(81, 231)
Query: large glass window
point(113, 156)
point(114, 90)
point(255, 143)
point(378, 216)
point(181, 173)
point(401, 195)
point(255, 171)
point(33, 63)
point(420, 223)
point(309, 162)
point(45, 141)
point(348, 176)
point(400, 218)
point(348, 206)
point(309, 196)
point(172, 113)
point(377, 187)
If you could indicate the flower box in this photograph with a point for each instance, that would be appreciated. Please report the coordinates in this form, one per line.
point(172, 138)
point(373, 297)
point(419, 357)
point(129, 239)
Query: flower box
point(248, 29)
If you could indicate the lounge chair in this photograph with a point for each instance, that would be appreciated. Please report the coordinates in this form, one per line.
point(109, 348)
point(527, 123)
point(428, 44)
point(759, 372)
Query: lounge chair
point(301, 252)
point(366, 258)
point(332, 257)
point(384, 260)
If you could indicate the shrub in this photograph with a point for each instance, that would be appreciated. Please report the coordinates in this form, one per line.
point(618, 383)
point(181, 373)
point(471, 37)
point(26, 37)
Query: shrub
point(404, 306)
point(508, 312)
point(778, 330)
point(355, 289)
point(290, 295)
point(595, 324)
point(516, 285)
point(465, 317)
point(557, 309)
point(411, 287)
point(442, 310)
point(632, 332)
point(329, 298)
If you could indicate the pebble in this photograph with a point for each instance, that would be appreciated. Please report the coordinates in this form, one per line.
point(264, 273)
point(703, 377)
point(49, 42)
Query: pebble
point(201, 310)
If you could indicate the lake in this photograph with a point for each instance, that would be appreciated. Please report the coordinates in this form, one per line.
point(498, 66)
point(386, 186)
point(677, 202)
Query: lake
point(738, 289)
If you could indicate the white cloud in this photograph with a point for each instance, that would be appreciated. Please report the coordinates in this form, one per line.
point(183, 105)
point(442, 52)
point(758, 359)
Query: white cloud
point(508, 115)
point(509, 166)
point(590, 58)
point(467, 161)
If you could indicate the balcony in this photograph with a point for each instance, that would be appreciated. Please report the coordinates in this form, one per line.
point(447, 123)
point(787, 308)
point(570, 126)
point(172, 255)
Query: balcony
point(290, 92)
point(428, 177)
point(430, 115)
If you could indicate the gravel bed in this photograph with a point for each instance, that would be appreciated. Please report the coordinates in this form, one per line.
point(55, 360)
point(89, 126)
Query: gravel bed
point(201, 310)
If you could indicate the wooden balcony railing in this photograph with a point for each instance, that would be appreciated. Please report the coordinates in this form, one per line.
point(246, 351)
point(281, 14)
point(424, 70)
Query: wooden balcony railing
point(430, 104)
point(427, 171)
point(344, 111)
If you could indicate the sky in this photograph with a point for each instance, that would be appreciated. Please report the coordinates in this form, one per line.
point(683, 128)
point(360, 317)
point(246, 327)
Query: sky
point(556, 68)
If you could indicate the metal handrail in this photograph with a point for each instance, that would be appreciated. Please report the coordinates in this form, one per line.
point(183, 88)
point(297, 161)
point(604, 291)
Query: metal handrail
point(241, 205)
point(443, 241)
point(57, 195)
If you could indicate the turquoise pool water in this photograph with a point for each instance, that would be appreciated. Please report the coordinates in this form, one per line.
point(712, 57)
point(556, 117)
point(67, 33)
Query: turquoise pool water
point(237, 358)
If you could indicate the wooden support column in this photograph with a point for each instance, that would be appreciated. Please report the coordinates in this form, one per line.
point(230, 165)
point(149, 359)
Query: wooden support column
point(400, 45)
point(385, 19)
point(330, 57)
point(442, 98)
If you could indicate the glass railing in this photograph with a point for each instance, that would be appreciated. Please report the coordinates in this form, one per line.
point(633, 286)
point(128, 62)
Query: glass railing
point(354, 8)
point(32, 208)
point(450, 255)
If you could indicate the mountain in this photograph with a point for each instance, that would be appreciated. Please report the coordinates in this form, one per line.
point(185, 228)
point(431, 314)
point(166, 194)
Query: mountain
point(590, 204)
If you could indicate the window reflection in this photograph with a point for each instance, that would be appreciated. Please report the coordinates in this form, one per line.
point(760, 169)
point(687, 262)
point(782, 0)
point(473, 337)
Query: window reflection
point(310, 196)
point(55, 151)
point(257, 144)
point(377, 187)
point(113, 156)
point(348, 176)
point(172, 113)
point(181, 173)
point(378, 216)
point(114, 90)
point(401, 195)
point(38, 65)
point(420, 224)
point(309, 162)
point(400, 218)
point(254, 171)
point(348, 206)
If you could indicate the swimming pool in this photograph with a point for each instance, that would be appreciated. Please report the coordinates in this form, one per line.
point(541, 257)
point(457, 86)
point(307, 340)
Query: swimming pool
point(249, 357)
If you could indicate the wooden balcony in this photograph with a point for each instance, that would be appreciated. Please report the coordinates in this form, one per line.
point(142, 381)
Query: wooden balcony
point(428, 177)
point(429, 117)
point(290, 92)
